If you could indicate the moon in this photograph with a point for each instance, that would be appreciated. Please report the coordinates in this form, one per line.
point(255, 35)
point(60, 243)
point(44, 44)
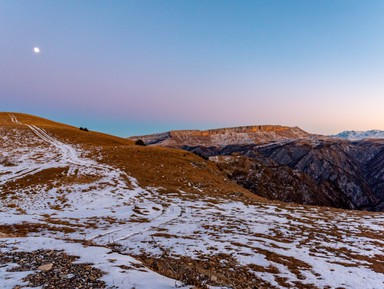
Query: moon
point(36, 49)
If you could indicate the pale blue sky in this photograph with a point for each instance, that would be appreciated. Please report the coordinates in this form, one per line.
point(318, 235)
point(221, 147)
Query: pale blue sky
point(136, 67)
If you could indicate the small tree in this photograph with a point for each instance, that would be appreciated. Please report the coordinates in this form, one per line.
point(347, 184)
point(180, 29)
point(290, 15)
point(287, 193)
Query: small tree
point(139, 142)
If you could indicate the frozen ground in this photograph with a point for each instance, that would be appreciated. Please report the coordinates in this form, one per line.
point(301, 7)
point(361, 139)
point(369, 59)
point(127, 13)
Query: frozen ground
point(284, 245)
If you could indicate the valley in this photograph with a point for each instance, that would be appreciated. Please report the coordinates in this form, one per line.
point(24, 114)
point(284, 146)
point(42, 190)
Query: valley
point(293, 167)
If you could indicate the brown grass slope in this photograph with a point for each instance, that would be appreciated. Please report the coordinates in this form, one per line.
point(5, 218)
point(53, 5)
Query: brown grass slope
point(171, 169)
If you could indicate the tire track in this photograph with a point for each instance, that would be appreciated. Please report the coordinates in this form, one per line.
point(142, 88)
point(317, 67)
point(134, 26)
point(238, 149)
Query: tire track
point(25, 171)
point(170, 214)
point(14, 119)
point(69, 156)
point(22, 174)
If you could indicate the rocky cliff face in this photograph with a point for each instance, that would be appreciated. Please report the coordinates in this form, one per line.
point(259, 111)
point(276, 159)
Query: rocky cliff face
point(280, 182)
point(349, 167)
point(223, 137)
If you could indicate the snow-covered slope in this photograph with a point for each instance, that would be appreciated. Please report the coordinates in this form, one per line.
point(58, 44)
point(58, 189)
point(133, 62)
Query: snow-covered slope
point(195, 227)
point(359, 135)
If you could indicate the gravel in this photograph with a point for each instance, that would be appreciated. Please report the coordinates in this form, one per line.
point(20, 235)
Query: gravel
point(58, 270)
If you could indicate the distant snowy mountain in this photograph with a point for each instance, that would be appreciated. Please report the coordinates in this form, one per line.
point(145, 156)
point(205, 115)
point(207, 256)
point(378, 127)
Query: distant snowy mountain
point(358, 135)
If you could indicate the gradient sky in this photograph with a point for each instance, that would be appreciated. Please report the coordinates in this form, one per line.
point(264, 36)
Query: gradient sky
point(137, 67)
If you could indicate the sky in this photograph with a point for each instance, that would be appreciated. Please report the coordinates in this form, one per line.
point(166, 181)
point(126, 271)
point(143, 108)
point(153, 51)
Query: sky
point(137, 67)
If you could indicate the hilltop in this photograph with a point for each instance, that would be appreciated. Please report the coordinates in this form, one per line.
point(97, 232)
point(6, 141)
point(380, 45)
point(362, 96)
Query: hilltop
point(90, 209)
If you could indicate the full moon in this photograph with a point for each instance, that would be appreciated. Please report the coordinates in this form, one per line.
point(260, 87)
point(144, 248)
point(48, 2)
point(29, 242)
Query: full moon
point(36, 49)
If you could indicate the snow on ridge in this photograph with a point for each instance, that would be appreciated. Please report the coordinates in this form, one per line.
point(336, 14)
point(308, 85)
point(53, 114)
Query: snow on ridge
point(359, 135)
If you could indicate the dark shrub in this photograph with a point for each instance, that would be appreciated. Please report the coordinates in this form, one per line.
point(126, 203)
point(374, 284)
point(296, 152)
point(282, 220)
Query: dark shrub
point(139, 142)
point(202, 155)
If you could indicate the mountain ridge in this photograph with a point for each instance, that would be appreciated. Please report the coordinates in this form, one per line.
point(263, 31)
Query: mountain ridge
point(223, 136)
